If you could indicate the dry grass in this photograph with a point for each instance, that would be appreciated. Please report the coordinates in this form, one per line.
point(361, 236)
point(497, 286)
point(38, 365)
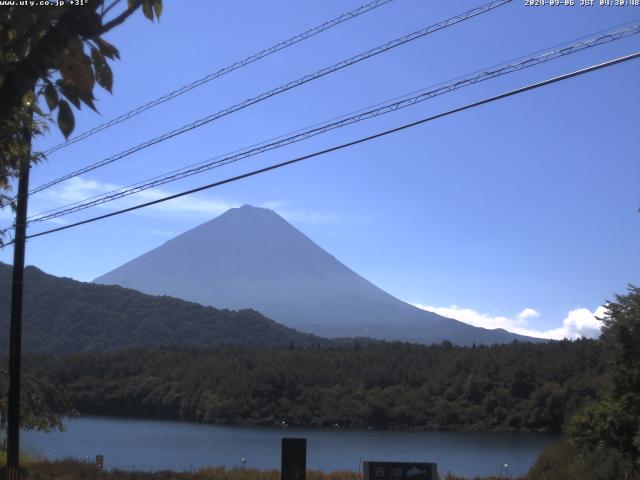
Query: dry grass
point(77, 470)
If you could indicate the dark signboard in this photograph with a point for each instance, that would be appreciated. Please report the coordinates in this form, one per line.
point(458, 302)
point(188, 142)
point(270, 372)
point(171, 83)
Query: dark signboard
point(400, 471)
point(294, 459)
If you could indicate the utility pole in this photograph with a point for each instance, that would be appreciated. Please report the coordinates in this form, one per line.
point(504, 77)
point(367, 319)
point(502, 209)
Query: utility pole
point(15, 339)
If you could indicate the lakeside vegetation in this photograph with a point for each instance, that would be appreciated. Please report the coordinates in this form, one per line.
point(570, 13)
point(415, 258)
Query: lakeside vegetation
point(602, 441)
point(77, 470)
point(515, 387)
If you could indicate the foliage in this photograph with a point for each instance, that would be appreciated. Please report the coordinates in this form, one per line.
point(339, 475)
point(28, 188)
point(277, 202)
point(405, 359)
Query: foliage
point(384, 385)
point(54, 52)
point(621, 336)
point(62, 315)
point(39, 43)
point(564, 462)
point(607, 425)
point(614, 423)
point(42, 404)
point(604, 437)
point(70, 469)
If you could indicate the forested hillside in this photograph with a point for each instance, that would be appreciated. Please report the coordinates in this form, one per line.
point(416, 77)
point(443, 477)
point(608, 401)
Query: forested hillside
point(389, 385)
point(62, 316)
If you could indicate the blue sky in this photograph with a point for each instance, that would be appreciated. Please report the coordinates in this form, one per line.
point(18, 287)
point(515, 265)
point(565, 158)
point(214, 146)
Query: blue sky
point(522, 213)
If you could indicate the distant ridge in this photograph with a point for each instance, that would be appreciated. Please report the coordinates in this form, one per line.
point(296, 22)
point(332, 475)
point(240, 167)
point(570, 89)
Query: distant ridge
point(62, 316)
point(251, 257)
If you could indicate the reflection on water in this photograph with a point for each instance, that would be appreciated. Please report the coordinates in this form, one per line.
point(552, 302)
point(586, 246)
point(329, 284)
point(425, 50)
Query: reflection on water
point(156, 445)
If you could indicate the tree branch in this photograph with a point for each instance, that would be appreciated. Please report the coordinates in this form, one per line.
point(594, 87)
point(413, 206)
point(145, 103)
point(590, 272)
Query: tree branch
point(119, 19)
point(106, 10)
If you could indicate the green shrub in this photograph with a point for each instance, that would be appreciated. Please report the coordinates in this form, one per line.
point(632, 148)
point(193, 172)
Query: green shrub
point(563, 461)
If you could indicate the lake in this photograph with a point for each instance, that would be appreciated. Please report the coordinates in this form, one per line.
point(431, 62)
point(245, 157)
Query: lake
point(155, 445)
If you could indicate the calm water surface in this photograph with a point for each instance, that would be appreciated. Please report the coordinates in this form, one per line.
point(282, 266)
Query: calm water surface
point(156, 445)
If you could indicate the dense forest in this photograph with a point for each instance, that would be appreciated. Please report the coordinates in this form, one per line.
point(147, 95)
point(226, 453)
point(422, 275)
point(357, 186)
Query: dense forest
point(602, 440)
point(62, 316)
point(518, 386)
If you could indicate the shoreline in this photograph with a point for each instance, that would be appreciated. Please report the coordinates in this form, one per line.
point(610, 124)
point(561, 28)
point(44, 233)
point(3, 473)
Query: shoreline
point(314, 427)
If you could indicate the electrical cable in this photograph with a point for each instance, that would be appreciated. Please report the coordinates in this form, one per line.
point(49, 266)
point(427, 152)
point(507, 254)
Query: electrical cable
point(349, 144)
point(283, 88)
point(363, 114)
point(223, 71)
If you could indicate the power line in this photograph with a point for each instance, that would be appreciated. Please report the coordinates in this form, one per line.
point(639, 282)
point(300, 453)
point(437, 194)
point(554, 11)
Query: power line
point(283, 88)
point(224, 71)
point(364, 114)
point(351, 143)
point(540, 57)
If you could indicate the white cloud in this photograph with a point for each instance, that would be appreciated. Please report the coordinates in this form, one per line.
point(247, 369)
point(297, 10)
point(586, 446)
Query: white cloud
point(528, 313)
point(274, 204)
point(472, 317)
point(580, 322)
point(310, 218)
point(186, 204)
point(79, 189)
point(287, 211)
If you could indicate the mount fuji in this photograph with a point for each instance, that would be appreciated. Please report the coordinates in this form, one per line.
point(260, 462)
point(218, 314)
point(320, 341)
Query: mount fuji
point(251, 257)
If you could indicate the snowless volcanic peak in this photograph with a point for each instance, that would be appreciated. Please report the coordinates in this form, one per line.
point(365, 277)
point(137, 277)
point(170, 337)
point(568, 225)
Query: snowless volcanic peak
point(251, 257)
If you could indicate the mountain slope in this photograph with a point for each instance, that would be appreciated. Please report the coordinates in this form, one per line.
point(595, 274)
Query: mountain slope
point(62, 315)
point(251, 257)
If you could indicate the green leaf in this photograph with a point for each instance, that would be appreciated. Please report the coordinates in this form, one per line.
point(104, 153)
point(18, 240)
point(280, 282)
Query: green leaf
point(104, 76)
point(88, 100)
point(75, 95)
point(66, 122)
point(76, 46)
point(157, 7)
point(69, 91)
point(107, 49)
point(147, 10)
point(75, 70)
point(51, 96)
point(96, 56)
